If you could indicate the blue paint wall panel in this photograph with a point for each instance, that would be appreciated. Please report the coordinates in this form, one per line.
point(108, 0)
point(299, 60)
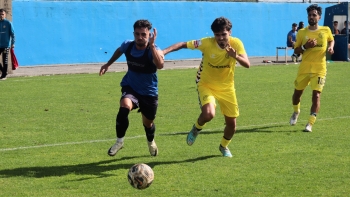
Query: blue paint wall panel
point(70, 32)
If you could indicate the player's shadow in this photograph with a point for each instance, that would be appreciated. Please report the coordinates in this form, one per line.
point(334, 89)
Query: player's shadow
point(260, 129)
point(98, 169)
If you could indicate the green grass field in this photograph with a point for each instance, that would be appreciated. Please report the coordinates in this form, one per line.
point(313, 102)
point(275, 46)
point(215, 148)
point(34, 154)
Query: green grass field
point(55, 132)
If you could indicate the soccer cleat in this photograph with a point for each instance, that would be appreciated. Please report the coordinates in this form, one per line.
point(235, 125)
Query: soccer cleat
point(3, 78)
point(115, 148)
point(152, 147)
point(294, 118)
point(225, 151)
point(294, 59)
point(192, 135)
point(308, 128)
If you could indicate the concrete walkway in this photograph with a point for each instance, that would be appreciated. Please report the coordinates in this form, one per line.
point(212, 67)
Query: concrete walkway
point(116, 67)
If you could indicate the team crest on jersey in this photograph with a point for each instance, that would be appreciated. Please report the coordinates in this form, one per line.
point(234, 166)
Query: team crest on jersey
point(4, 26)
point(197, 43)
point(320, 35)
point(227, 56)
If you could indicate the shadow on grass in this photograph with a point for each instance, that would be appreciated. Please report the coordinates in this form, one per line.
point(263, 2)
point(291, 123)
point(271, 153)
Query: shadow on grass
point(99, 169)
point(260, 129)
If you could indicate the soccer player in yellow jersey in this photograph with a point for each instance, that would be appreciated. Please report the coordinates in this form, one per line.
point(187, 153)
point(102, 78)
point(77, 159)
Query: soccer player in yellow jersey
point(215, 78)
point(313, 42)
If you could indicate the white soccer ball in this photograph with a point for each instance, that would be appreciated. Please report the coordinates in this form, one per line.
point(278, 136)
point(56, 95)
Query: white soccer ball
point(140, 176)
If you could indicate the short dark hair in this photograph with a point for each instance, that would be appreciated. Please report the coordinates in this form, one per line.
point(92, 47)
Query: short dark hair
point(314, 7)
point(221, 24)
point(294, 25)
point(335, 22)
point(3, 10)
point(143, 24)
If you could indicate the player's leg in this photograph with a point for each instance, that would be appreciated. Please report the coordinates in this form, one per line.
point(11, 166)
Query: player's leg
point(207, 104)
point(300, 84)
point(148, 108)
point(127, 102)
point(5, 55)
point(317, 83)
point(229, 107)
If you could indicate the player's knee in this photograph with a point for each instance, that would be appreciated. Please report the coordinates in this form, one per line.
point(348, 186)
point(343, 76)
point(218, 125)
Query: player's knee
point(122, 115)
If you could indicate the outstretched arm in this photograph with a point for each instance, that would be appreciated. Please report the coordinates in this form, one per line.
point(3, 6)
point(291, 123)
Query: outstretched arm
point(114, 58)
point(175, 47)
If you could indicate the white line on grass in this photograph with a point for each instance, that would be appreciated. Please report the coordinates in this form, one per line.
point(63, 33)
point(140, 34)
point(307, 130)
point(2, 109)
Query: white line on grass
point(139, 136)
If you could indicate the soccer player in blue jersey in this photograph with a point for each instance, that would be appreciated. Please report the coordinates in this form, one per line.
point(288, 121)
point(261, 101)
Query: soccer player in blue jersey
point(313, 42)
point(139, 86)
point(215, 78)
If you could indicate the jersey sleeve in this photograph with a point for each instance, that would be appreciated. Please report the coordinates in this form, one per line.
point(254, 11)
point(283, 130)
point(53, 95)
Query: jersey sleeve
point(124, 45)
point(198, 44)
point(237, 45)
point(299, 39)
point(329, 35)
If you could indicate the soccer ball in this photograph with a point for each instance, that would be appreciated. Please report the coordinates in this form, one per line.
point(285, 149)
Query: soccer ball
point(140, 176)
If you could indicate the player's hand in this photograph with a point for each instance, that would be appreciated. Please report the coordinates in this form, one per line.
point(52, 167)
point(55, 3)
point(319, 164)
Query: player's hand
point(311, 43)
point(230, 51)
point(153, 36)
point(104, 69)
point(330, 50)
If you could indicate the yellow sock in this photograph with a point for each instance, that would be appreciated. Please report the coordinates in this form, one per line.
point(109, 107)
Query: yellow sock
point(199, 127)
point(225, 142)
point(312, 119)
point(296, 108)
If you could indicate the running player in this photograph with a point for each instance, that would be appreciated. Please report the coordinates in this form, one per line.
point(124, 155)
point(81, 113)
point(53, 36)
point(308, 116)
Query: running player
point(313, 42)
point(140, 83)
point(215, 78)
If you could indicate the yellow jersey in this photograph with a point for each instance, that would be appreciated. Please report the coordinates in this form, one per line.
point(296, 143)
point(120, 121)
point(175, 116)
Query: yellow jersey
point(217, 67)
point(314, 59)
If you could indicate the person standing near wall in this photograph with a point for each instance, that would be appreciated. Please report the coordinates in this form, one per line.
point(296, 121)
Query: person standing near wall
point(313, 42)
point(215, 78)
point(140, 83)
point(300, 26)
point(291, 37)
point(7, 40)
point(335, 28)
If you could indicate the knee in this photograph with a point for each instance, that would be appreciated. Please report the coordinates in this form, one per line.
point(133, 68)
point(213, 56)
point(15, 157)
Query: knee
point(122, 114)
point(208, 116)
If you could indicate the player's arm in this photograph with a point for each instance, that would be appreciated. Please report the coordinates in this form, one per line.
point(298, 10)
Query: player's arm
point(330, 47)
point(175, 47)
point(242, 59)
point(158, 57)
point(114, 58)
point(310, 43)
point(290, 39)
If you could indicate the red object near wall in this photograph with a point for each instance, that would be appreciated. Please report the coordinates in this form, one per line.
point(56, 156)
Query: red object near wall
point(13, 59)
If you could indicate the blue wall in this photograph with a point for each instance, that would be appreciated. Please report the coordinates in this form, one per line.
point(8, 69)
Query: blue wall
point(70, 32)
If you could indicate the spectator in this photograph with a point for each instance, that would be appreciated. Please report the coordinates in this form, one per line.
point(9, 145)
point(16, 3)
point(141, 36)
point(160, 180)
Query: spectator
point(343, 31)
point(291, 38)
point(335, 29)
point(301, 25)
point(7, 40)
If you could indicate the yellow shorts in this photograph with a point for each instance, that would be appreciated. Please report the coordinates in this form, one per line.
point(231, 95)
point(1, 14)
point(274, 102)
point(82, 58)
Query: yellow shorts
point(225, 97)
point(316, 81)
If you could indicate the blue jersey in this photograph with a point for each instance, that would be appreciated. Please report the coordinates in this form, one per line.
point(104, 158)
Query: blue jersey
point(142, 72)
point(7, 34)
point(293, 35)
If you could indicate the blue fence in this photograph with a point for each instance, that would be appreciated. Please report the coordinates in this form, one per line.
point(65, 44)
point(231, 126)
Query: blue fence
point(72, 32)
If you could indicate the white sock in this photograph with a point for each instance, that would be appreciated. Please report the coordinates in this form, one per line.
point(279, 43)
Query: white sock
point(120, 139)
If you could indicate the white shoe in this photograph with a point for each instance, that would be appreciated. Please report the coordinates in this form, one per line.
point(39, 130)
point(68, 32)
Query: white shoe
point(294, 59)
point(115, 148)
point(294, 118)
point(152, 147)
point(308, 127)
